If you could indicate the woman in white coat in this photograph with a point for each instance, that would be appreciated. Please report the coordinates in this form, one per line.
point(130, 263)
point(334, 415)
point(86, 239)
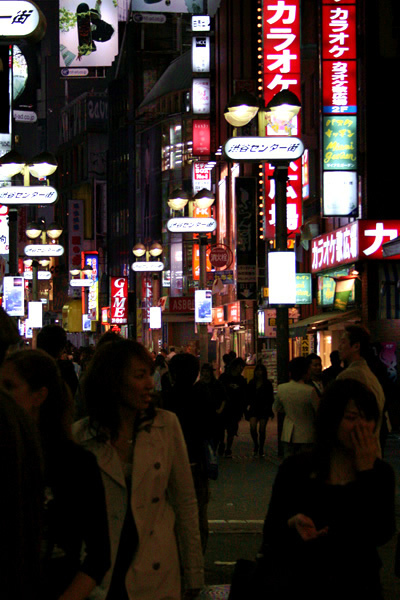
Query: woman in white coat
point(151, 502)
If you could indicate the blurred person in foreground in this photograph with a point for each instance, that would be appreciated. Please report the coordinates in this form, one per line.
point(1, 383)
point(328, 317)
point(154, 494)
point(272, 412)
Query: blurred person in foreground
point(53, 340)
point(150, 495)
point(21, 503)
point(75, 546)
point(331, 507)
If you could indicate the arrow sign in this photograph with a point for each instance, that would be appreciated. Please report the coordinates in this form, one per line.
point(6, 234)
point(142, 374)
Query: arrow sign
point(261, 149)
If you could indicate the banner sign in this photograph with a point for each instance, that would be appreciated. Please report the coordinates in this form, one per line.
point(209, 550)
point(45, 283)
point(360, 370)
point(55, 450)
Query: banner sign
point(119, 300)
point(263, 148)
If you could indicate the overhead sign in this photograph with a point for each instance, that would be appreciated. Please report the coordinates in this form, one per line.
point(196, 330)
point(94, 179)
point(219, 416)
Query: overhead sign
point(263, 148)
point(191, 225)
point(36, 250)
point(33, 194)
point(42, 275)
point(149, 266)
point(20, 19)
point(81, 283)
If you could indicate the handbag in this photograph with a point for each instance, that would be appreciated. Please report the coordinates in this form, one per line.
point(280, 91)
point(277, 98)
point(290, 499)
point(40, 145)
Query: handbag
point(211, 460)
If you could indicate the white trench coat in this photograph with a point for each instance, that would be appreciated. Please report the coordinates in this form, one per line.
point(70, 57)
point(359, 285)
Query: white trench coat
point(164, 508)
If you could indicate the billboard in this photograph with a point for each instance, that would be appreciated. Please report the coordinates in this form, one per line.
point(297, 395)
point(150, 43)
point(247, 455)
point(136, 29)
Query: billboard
point(176, 6)
point(88, 33)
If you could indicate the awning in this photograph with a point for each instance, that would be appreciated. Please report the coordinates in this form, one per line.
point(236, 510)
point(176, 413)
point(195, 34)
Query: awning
point(391, 248)
point(322, 320)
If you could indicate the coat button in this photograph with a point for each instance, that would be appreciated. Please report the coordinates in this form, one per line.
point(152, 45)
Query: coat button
point(157, 465)
point(155, 500)
point(156, 566)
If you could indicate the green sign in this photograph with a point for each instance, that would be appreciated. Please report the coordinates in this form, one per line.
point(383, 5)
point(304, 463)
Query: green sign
point(340, 143)
point(303, 288)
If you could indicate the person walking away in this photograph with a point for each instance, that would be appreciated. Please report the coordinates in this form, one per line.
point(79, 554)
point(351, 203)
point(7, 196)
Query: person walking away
point(299, 402)
point(259, 409)
point(216, 393)
point(76, 550)
point(236, 388)
point(332, 507)
point(192, 404)
point(353, 348)
point(144, 464)
point(53, 340)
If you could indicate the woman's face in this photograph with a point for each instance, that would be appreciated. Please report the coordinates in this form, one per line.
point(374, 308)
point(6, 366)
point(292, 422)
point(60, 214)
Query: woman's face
point(352, 417)
point(16, 386)
point(137, 385)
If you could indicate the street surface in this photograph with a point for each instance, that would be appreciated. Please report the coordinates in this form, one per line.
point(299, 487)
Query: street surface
point(239, 501)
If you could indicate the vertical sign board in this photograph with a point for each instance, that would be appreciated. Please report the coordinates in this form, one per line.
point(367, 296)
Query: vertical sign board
point(90, 260)
point(339, 102)
point(75, 236)
point(281, 59)
point(246, 241)
point(13, 295)
point(119, 300)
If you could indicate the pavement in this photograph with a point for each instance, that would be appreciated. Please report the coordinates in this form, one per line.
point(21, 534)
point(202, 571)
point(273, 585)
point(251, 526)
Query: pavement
point(240, 498)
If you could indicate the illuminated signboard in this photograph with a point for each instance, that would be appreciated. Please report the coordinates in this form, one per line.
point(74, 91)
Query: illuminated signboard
point(91, 261)
point(191, 225)
point(21, 19)
point(361, 239)
point(340, 143)
point(88, 38)
point(340, 193)
point(201, 177)
point(200, 54)
point(4, 242)
point(201, 137)
point(119, 300)
point(338, 32)
point(263, 148)
point(40, 250)
point(176, 6)
point(201, 96)
point(281, 60)
point(282, 290)
point(20, 195)
point(339, 86)
point(13, 296)
point(203, 306)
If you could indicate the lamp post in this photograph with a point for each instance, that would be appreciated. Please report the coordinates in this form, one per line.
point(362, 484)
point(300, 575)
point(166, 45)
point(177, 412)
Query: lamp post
point(280, 111)
point(39, 231)
point(150, 251)
point(41, 166)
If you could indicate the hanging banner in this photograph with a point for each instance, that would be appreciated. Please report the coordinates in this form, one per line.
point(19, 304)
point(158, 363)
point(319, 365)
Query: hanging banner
point(246, 240)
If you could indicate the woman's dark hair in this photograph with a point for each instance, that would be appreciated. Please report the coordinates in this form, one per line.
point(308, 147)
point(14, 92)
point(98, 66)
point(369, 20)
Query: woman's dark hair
point(103, 381)
point(331, 410)
point(38, 369)
point(264, 374)
point(21, 501)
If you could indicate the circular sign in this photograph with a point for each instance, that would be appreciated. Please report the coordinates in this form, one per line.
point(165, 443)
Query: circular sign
point(220, 256)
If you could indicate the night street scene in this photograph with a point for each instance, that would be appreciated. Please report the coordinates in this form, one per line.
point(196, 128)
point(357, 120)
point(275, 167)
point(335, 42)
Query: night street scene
point(199, 300)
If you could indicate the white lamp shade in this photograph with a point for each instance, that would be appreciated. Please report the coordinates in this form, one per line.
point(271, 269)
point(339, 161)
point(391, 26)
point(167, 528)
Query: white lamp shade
point(139, 249)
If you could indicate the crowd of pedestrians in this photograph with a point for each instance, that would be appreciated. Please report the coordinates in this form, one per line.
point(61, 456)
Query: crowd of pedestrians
point(107, 455)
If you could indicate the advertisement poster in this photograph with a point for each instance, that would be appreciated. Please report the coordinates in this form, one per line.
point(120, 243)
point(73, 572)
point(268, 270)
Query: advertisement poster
point(13, 290)
point(88, 33)
point(203, 306)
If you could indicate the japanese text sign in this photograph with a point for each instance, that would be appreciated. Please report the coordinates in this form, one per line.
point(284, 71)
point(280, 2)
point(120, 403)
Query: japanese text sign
point(361, 239)
point(281, 42)
point(263, 148)
point(340, 143)
point(338, 32)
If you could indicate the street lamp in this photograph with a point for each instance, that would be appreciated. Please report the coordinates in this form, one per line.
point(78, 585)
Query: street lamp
point(178, 199)
point(241, 109)
point(204, 198)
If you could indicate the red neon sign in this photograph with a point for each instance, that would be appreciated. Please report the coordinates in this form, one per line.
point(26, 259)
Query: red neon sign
point(119, 300)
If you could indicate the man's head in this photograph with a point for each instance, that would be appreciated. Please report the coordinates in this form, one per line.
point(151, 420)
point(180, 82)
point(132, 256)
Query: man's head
point(354, 343)
point(52, 339)
point(315, 365)
point(299, 368)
